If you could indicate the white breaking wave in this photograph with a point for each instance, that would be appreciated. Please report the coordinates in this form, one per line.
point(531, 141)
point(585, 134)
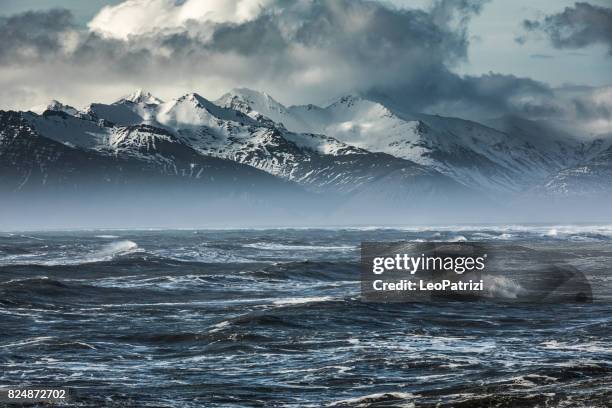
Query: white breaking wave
point(399, 399)
point(502, 287)
point(282, 247)
point(304, 300)
point(106, 253)
point(592, 347)
point(117, 248)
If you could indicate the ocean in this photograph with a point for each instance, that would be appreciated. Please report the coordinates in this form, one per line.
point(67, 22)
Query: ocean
point(271, 318)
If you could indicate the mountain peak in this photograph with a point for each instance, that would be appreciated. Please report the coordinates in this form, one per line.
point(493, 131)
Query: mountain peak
point(251, 93)
point(193, 97)
point(348, 100)
point(55, 106)
point(141, 96)
point(245, 100)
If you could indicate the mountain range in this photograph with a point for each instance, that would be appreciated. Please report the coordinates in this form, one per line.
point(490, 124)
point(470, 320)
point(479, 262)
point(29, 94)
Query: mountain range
point(354, 153)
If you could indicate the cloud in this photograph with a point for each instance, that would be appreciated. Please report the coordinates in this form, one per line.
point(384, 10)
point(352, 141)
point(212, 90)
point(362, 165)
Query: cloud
point(300, 51)
point(36, 35)
point(138, 17)
point(575, 27)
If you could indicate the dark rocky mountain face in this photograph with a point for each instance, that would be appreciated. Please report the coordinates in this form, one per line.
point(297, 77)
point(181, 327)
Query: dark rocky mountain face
point(29, 161)
point(140, 156)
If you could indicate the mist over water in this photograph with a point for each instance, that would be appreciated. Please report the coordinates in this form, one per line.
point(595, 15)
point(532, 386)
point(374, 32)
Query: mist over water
point(267, 317)
point(159, 206)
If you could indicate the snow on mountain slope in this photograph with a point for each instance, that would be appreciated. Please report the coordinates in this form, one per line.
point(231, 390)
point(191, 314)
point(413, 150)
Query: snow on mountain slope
point(193, 110)
point(56, 106)
point(142, 157)
point(370, 126)
point(179, 128)
point(496, 159)
point(138, 107)
point(313, 160)
point(117, 113)
point(70, 130)
point(269, 149)
point(559, 146)
point(319, 162)
point(261, 107)
point(29, 161)
point(473, 154)
point(140, 97)
point(144, 142)
point(591, 178)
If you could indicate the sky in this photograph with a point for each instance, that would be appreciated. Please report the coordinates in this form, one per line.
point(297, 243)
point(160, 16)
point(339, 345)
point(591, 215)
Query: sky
point(541, 59)
point(493, 45)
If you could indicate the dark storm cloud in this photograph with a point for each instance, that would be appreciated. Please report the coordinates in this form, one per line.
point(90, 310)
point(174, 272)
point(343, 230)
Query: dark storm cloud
point(444, 92)
point(575, 27)
point(34, 34)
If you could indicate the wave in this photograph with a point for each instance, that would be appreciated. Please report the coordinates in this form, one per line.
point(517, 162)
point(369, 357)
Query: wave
point(303, 300)
point(500, 287)
point(283, 247)
point(48, 341)
point(396, 399)
point(207, 256)
point(27, 342)
point(117, 248)
point(592, 347)
point(106, 253)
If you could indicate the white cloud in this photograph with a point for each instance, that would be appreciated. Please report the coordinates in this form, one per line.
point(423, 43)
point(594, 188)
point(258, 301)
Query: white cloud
point(138, 17)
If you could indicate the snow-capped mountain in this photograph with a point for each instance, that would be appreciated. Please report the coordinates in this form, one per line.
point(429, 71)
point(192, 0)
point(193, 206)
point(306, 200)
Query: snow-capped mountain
point(261, 107)
point(509, 155)
point(55, 106)
point(133, 124)
point(32, 158)
point(140, 96)
point(356, 150)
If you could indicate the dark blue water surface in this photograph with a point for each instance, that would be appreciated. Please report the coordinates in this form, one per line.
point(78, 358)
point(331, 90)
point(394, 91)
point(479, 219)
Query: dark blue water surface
point(274, 318)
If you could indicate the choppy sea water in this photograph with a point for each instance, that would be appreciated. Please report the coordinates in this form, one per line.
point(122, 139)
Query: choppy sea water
point(274, 318)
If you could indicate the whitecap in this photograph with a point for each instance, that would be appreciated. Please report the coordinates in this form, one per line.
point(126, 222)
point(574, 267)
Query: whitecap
point(282, 247)
point(592, 347)
point(117, 248)
point(33, 340)
point(501, 287)
point(399, 399)
point(106, 253)
point(219, 326)
point(303, 300)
